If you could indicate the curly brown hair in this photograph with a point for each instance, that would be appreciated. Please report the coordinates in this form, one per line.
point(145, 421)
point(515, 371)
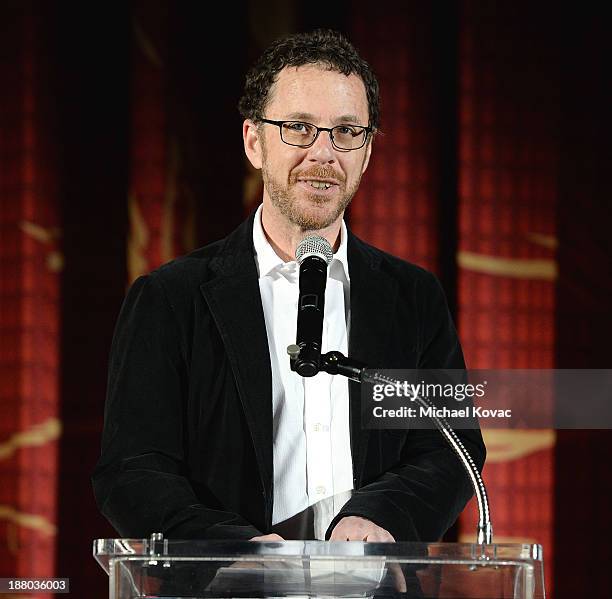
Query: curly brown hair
point(321, 46)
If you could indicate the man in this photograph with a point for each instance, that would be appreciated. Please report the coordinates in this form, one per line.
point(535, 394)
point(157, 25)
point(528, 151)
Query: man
point(207, 432)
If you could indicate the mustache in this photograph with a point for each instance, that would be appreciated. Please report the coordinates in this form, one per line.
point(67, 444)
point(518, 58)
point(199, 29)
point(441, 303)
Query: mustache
point(318, 172)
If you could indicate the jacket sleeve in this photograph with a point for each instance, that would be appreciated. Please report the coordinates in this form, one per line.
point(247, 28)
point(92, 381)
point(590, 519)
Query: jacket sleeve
point(423, 494)
point(139, 482)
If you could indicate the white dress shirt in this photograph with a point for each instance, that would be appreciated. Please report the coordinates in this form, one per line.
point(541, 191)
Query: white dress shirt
point(311, 434)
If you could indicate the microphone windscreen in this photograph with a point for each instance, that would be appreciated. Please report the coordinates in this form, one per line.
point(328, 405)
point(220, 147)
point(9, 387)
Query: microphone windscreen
point(314, 245)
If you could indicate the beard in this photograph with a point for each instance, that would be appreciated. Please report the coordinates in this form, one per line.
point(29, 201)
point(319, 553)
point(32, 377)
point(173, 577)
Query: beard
point(310, 211)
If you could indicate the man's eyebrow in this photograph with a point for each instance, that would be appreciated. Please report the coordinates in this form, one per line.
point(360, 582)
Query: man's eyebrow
point(301, 116)
point(347, 118)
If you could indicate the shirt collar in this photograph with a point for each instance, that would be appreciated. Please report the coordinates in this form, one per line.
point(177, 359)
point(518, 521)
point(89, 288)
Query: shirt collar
point(268, 260)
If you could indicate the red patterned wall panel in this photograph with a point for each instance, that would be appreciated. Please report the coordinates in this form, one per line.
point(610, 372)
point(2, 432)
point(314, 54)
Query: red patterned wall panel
point(396, 206)
point(508, 169)
point(29, 297)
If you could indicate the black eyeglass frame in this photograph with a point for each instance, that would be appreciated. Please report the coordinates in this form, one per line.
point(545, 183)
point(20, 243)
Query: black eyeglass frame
point(330, 130)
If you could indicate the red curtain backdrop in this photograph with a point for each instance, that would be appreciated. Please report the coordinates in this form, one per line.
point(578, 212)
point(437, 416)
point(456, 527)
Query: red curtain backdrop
point(30, 253)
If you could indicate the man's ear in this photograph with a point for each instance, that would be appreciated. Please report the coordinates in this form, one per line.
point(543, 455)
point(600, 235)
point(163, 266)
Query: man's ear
point(366, 160)
point(252, 143)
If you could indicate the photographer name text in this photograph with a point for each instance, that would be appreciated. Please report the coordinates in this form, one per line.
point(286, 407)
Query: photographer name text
point(431, 412)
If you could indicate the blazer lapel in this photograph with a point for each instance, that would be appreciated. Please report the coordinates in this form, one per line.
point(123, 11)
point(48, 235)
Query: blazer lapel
point(373, 297)
point(235, 303)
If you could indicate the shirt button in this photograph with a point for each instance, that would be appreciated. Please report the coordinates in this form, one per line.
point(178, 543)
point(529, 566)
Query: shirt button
point(320, 490)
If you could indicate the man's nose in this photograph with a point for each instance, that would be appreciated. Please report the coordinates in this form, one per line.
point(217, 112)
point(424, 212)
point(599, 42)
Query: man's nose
point(322, 150)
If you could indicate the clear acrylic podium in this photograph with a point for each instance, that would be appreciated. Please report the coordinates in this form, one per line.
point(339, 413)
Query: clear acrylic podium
point(191, 569)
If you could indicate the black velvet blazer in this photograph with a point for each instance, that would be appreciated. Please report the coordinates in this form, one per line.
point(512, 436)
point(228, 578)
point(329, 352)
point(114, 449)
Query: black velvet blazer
point(187, 442)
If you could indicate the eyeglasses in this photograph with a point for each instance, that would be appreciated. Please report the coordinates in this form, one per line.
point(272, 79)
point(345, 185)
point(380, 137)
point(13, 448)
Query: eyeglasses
point(303, 135)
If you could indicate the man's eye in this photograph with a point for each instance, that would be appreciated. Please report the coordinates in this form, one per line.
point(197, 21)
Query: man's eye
point(346, 130)
point(297, 127)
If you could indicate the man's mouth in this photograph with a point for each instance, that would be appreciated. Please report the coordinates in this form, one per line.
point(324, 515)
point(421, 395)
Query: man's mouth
point(318, 183)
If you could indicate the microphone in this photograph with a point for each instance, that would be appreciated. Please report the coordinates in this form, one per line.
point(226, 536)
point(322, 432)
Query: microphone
point(313, 254)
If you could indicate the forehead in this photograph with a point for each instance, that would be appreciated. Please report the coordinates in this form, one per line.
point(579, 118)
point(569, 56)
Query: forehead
point(314, 90)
